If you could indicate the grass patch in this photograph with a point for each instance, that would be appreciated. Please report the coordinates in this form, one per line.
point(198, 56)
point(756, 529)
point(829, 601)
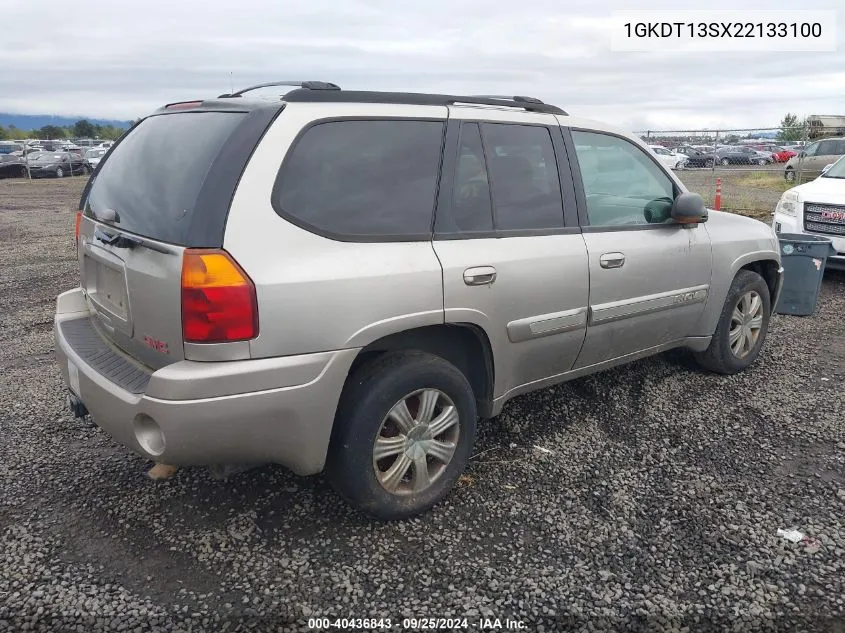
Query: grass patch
point(764, 180)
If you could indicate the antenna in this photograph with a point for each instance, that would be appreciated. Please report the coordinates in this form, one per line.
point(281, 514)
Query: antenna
point(231, 83)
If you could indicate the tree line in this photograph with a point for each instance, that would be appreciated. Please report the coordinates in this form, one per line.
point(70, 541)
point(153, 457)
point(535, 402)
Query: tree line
point(81, 129)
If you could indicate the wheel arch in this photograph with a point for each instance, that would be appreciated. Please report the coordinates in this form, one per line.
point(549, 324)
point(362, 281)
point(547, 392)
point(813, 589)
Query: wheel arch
point(465, 345)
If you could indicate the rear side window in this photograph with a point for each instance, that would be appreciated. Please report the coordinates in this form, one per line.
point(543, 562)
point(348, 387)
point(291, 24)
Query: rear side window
point(362, 179)
point(523, 172)
point(153, 177)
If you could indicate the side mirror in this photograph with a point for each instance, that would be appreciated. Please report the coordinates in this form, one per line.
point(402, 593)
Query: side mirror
point(689, 208)
point(826, 167)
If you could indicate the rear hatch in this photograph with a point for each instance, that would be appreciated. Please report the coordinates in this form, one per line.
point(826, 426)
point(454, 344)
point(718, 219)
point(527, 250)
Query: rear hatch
point(164, 187)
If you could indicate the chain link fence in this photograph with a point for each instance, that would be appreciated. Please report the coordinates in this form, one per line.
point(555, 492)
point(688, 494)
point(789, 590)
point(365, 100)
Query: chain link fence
point(751, 167)
point(25, 154)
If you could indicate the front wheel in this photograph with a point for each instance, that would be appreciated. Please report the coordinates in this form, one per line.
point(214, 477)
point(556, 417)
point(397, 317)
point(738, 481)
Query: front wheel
point(59, 173)
point(762, 162)
point(725, 162)
point(742, 326)
point(403, 433)
point(789, 174)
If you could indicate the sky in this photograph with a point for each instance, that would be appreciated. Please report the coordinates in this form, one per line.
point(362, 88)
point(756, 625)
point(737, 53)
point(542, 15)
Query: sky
point(116, 59)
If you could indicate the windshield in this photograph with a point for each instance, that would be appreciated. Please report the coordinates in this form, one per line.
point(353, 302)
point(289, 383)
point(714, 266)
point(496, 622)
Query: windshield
point(153, 177)
point(45, 158)
point(95, 153)
point(837, 171)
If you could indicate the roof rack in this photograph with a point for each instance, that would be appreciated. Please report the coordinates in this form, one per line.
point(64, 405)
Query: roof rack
point(306, 85)
point(335, 95)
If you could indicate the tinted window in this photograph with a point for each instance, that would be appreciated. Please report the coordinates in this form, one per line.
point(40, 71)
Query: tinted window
point(153, 177)
point(471, 209)
point(366, 178)
point(623, 185)
point(523, 172)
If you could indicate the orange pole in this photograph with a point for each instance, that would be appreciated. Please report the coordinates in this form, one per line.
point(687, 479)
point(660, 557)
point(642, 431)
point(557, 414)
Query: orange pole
point(717, 203)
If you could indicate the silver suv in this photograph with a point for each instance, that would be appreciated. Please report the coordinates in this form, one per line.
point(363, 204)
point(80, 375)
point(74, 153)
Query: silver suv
point(348, 281)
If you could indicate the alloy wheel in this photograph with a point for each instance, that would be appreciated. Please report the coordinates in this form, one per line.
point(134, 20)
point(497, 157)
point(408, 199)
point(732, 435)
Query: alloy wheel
point(746, 324)
point(416, 442)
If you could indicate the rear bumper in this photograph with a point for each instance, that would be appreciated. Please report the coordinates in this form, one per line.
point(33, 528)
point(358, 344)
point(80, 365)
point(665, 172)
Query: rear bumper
point(278, 410)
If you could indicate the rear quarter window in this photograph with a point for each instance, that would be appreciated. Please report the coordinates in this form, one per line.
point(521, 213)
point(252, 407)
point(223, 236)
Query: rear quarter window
point(359, 180)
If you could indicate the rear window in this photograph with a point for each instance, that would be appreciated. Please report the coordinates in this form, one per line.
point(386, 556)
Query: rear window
point(154, 176)
point(361, 179)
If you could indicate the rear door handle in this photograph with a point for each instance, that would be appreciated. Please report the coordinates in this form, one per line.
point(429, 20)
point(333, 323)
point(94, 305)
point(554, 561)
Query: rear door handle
point(612, 260)
point(479, 276)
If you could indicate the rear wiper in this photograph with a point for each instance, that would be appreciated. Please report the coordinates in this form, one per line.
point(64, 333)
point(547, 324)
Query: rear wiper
point(106, 215)
point(120, 240)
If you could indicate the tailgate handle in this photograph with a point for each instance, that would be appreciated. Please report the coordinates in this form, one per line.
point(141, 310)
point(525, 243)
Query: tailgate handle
point(106, 238)
point(119, 241)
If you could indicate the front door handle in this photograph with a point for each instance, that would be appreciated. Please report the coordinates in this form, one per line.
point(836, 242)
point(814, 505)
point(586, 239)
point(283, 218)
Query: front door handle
point(479, 276)
point(612, 260)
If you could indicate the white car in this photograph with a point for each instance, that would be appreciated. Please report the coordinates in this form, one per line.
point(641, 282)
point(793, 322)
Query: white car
point(669, 158)
point(817, 208)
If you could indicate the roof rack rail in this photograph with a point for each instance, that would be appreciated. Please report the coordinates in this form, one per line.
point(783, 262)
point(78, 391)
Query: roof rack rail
point(517, 99)
point(529, 104)
point(307, 85)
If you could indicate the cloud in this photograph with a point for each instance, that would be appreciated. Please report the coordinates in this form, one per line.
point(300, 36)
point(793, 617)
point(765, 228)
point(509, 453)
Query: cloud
point(98, 58)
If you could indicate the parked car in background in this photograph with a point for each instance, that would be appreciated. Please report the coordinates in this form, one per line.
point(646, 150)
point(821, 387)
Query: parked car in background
point(779, 154)
point(668, 158)
point(817, 208)
point(93, 156)
point(697, 157)
point(11, 166)
point(741, 155)
point(812, 159)
point(189, 353)
point(9, 148)
point(56, 164)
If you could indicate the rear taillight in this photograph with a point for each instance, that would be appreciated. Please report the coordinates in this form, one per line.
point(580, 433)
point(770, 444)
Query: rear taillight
point(76, 228)
point(218, 299)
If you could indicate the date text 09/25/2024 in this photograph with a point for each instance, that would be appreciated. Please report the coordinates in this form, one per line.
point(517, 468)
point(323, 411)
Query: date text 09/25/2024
point(416, 624)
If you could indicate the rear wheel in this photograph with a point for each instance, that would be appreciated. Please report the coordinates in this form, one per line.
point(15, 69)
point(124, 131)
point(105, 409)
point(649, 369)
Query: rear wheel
point(725, 162)
point(762, 161)
point(789, 174)
point(404, 429)
point(742, 326)
point(59, 173)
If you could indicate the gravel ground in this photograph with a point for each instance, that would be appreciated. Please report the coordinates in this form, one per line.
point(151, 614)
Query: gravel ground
point(652, 503)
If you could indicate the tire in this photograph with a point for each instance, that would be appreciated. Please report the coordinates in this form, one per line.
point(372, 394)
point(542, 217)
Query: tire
point(762, 162)
point(789, 175)
point(720, 356)
point(710, 162)
point(370, 394)
point(725, 162)
point(59, 173)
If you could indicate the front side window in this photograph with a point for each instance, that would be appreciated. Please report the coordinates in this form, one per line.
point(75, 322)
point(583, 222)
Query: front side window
point(375, 178)
point(622, 184)
point(811, 149)
point(523, 172)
